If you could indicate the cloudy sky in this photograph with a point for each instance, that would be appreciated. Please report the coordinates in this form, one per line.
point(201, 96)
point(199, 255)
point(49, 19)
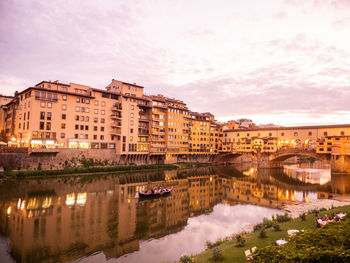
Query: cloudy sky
point(280, 61)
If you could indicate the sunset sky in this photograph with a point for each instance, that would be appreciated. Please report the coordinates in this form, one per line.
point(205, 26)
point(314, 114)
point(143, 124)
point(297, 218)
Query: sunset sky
point(285, 62)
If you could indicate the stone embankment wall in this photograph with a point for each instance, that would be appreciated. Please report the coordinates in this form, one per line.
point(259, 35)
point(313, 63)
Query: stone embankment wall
point(63, 158)
point(21, 159)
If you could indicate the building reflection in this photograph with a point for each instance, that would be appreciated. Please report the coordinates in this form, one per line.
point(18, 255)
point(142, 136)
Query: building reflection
point(64, 220)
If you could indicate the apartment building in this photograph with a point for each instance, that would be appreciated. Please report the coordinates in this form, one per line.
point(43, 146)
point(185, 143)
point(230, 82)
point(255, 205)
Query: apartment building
point(170, 126)
point(53, 115)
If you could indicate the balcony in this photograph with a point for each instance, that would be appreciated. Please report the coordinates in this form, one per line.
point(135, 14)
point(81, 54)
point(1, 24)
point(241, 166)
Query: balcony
point(118, 124)
point(116, 116)
point(117, 106)
point(116, 132)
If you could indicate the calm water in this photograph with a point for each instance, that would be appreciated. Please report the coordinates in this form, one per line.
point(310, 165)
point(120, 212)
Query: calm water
point(98, 219)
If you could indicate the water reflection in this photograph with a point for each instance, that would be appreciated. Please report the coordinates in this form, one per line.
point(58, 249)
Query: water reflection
point(63, 220)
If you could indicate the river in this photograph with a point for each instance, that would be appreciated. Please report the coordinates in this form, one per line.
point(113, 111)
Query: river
point(98, 218)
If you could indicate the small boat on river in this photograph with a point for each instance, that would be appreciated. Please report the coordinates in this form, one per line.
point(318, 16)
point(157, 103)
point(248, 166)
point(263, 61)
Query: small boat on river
point(155, 193)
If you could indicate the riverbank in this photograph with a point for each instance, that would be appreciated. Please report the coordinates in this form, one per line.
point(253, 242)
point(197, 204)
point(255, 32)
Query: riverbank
point(232, 253)
point(96, 170)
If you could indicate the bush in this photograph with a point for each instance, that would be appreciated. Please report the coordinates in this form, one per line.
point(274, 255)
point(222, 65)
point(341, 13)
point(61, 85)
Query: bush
point(217, 254)
point(276, 227)
point(218, 242)
point(240, 241)
point(262, 233)
point(267, 223)
point(257, 227)
point(327, 244)
point(186, 259)
point(323, 209)
point(283, 218)
point(303, 216)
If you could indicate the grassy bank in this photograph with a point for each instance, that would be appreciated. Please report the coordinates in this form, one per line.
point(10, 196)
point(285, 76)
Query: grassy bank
point(90, 170)
point(232, 253)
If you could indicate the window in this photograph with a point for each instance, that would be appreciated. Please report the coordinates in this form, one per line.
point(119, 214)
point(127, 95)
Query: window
point(102, 120)
point(95, 120)
point(42, 115)
point(63, 135)
point(96, 111)
point(37, 95)
point(64, 116)
point(342, 133)
point(324, 133)
point(77, 100)
point(49, 96)
point(76, 136)
point(82, 118)
point(87, 101)
point(95, 128)
point(86, 118)
point(82, 109)
point(103, 104)
point(77, 108)
point(48, 126)
point(102, 112)
point(76, 117)
point(64, 106)
point(86, 127)
point(102, 129)
point(43, 95)
point(48, 116)
point(87, 109)
point(132, 107)
point(270, 133)
point(81, 127)
point(295, 133)
point(102, 137)
point(310, 133)
point(63, 125)
point(132, 115)
point(42, 104)
point(49, 105)
point(55, 97)
point(76, 126)
point(86, 136)
point(131, 130)
point(96, 102)
point(95, 137)
point(64, 97)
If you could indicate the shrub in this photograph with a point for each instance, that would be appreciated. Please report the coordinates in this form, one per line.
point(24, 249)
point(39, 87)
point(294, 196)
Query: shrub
point(303, 216)
point(258, 227)
point(327, 244)
point(283, 218)
point(262, 233)
point(240, 241)
point(276, 227)
point(267, 223)
point(217, 254)
point(186, 259)
point(323, 209)
point(218, 242)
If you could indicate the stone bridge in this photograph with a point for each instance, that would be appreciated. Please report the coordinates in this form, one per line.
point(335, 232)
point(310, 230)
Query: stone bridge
point(275, 159)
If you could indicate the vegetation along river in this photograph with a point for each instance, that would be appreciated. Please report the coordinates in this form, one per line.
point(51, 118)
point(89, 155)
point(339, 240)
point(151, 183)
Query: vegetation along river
point(98, 218)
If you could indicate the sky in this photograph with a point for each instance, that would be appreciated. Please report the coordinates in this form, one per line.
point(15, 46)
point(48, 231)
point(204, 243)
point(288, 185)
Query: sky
point(275, 61)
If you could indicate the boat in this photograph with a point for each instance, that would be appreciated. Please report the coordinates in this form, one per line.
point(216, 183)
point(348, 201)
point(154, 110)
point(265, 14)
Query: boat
point(155, 193)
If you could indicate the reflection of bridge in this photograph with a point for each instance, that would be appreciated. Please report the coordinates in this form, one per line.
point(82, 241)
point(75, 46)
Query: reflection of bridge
point(274, 159)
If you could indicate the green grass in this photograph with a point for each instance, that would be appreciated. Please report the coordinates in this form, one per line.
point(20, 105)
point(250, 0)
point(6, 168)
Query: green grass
point(231, 253)
point(96, 170)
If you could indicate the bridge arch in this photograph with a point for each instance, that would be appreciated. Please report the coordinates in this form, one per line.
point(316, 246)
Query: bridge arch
point(227, 157)
point(283, 156)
